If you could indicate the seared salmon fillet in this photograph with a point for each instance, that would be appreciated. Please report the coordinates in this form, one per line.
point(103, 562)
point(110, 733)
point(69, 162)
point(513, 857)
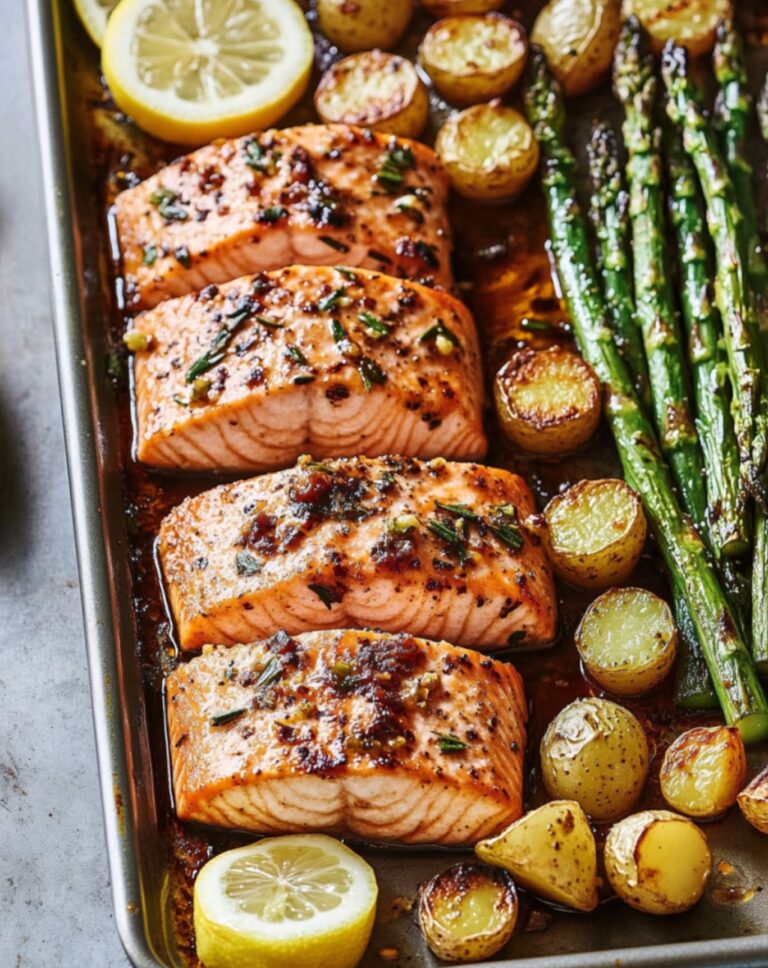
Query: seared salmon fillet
point(252, 374)
point(316, 194)
point(388, 737)
point(393, 543)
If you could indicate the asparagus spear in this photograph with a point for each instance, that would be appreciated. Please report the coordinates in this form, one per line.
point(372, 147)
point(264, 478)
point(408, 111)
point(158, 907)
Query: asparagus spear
point(738, 689)
point(727, 524)
point(684, 108)
point(634, 81)
point(693, 686)
point(732, 110)
point(609, 214)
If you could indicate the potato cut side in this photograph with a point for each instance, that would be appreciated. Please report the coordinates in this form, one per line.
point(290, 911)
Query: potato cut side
point(474, 58)
point(753, 802)
point(578, 38)
point(627, 640)
point(658, 862)
point(704, 770)
point(488, 150)
point(468, 912)
point(595, 752)
point(595, 532)
point(551, 852)
point(548, 401)
point(365, 23)
point(691, 23)
point(374, 90)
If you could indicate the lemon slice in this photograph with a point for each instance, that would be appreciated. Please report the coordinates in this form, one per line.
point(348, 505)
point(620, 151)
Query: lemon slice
point(189, 72)
point(93, 14)
point(303, 901)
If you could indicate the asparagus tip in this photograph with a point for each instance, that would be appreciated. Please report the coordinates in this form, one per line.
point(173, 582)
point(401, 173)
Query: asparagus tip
point(633, 63)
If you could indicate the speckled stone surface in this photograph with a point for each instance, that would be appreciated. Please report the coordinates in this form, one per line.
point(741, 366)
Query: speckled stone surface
point(55, 904)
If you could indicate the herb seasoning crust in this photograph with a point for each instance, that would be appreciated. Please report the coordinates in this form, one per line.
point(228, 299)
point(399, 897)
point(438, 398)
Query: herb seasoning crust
point(315, 194)
point(336, 361)
point(437, 548)
point(347, 732)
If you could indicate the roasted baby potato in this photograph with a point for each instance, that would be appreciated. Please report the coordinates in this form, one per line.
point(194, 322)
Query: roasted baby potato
point(595, 532)
point(703, 771)
point(548, 401)
point(627, 640)
point(468, 912)
point(595, 752)
point(474, 58)
point(551, 852)
point(488, 150)
point(365, 23)
point(658, 861)
point(449, 8)
point(753, 802)
point(578, 38)
point(374, 90)
point(691, 23)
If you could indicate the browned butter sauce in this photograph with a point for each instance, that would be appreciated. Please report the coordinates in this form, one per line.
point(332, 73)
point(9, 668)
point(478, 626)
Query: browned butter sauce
point(504, 273)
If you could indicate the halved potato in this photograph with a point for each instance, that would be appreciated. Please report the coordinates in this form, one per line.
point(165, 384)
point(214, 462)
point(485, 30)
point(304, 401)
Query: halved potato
point(595, 532)
point(578, 38)
point(550, 851)
point(468, 912)
point(595, 752)
point(449, 8)
point(627, 640)
point(548, 401)
point(658, 861)
point(488, 150)
point(363, 24)
point(474, 58)
point(753, 802)
point(703, 771)
point(374, 90)
point(691, 23)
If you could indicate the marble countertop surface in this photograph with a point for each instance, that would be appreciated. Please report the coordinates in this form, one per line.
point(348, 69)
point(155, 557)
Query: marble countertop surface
point(55, 903)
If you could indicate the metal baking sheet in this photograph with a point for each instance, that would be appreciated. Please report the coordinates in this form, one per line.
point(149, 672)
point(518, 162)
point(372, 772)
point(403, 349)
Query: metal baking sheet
point(146, 848)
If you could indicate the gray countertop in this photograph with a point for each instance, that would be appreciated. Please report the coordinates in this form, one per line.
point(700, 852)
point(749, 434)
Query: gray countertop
point(55, 904)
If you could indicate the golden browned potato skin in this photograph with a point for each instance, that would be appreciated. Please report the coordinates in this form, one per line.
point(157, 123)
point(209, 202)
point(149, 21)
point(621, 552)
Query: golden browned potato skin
point(578, 37)
point(595, 752)
point(658, 862)
point(551, 851)
point(704, 770)
point(753, 802)
point(489, 151)
point(548, 401)
point(448, 54)
point(375, 90)
point(362, 24)
point(477, 888)
point(449, 8)
point(597, 567)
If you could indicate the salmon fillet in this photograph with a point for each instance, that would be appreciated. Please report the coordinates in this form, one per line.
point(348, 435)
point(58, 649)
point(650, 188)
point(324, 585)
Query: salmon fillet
point(360, 543)
point(316, 194)
point(391, 738)
point(334, 362)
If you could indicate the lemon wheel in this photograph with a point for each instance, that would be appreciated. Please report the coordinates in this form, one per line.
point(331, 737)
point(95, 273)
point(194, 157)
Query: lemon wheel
point(93, 14)
point(189, 72)
point(301, 901)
